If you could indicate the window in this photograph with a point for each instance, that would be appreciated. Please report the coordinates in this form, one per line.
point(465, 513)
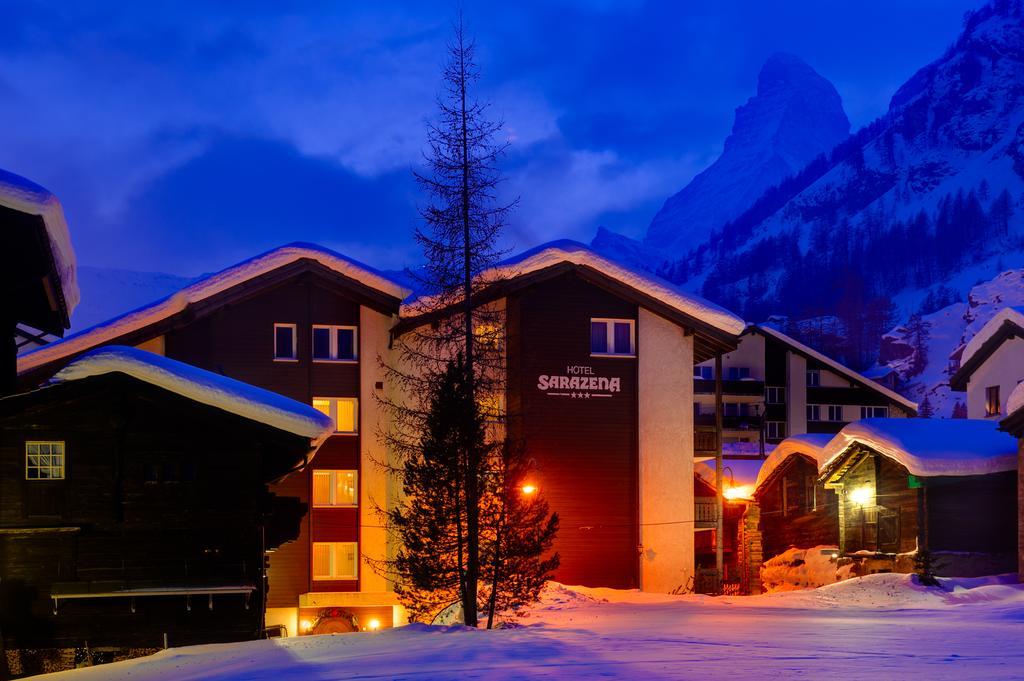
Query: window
point(874, 412)
point(813, 378)
point(775, 395)
point(335, 560)
point(284, 342)
point(344, 411)
point(704, 373)
point(738, 373)
point(992, 400)
point(335, 488)
point(488, 333)
point(612, 337)
point(813, 412)
point(775, 430)
point(44, 460)
point(835, 412)
point(334, 343)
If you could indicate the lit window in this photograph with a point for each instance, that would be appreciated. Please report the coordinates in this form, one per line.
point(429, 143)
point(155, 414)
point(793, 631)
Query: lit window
point(335, 488)
point(835, 412)
point(335, 560)
point(284, 342)
point(775, 395)
point(612, 337)
point(487, 333)
point(44, 460)
point(344, 411)
point(704, 373)
point(334, 343)
point(874, 412)
point(775, 430)
point(813, 412)
point(992, 401)
point(813, 378)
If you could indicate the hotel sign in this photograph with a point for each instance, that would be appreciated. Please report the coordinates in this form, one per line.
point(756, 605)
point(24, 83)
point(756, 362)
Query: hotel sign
point(579, 383)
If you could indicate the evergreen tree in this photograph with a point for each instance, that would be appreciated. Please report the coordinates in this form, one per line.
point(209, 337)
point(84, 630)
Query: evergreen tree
point(925, 409)
point(918, 330)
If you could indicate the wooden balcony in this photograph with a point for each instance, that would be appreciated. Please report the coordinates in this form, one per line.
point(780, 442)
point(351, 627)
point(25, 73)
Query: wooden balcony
point(705, 513)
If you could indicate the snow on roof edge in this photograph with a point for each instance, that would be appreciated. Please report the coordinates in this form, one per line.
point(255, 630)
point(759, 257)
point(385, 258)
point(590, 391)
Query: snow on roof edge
point(1011, 314)
point(24, 195)
point(1015, 401)
point(930, 447)
point(566, 250)
point(206, 387)
point(204, 288)
point(837, 366)
point(806, 444)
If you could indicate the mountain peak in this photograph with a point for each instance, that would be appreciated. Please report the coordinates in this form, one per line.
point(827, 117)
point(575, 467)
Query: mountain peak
point(795, 115)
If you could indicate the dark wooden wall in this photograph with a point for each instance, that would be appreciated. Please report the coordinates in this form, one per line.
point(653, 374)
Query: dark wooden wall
point(586, 449)
point(975, 513)
point(106, 524)
point(891, 526)
point(802, 521)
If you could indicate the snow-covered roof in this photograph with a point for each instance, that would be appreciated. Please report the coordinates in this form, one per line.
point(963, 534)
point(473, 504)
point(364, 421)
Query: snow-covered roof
point(930, 447)
point(1016, 400)
point(1014, 315)
point(203, 386)
point(26, 196)
point(807, 444)
point(206, 287)
point(568, 251)
point(836, 366)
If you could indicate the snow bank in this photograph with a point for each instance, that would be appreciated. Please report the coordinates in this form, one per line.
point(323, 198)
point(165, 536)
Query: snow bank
point(930, 447)
point(567, 251)
point(205, 288)
point(808, 444)
point(205, 387)
point(837, 367)
point(26, 196)
point(1014, 315)
point(803, 569)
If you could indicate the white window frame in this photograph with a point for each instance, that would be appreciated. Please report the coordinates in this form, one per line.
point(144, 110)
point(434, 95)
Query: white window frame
point(831, 413)
point(777, 424)
point(333, 412)
point(816, 410)
point(295, 342)
point(609, 329)
point(698, 373)
point(61, 469)
point(333, 331)
point(332, 474)
point(816, 383)
point(334, 575)
point(781, 393)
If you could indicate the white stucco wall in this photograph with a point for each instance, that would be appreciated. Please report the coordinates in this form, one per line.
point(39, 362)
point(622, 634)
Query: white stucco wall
point(796, 393)
point(749, 353)
point(1005, 368)
point(373, 485)
point(666, 453)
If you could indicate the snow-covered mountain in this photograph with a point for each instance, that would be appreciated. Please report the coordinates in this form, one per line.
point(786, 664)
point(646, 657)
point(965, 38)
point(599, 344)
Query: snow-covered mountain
point(925, 350)
point(795, 116)
point(108, 292)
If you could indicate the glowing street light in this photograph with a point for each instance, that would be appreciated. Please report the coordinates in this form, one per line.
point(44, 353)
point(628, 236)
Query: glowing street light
point(373, 625)
point(305, 626)
point(528, 489)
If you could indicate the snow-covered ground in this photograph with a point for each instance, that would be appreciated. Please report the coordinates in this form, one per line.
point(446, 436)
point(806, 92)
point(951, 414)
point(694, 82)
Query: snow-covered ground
point(880, 626)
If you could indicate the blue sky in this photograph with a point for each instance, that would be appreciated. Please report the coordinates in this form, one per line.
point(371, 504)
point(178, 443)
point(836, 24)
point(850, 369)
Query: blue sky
point(182, 137)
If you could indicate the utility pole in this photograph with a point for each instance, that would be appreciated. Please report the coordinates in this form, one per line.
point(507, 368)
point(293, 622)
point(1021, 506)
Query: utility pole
point(719, 487)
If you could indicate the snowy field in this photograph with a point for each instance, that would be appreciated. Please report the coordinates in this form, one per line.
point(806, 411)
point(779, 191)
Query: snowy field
point(880, 627)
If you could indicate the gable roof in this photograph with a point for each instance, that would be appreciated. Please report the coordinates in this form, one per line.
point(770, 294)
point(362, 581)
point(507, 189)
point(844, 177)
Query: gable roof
point(806, 351)
point(647, 289)
point(1006, 324)
point(1013, 423)
point(206, 387)
point(929, 447)
point(208, 287)
point(25, 196)
point(810, 445)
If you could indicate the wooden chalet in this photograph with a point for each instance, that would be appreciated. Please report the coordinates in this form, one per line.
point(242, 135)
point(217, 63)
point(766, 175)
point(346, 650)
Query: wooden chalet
point(600, 390)
point(136, 509)
point(38, 288)
point(1014, 425)
point(945, 485)
point(793, 506)
point(312, 325)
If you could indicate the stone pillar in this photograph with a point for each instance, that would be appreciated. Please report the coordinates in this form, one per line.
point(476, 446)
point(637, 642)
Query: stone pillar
point(751, 552)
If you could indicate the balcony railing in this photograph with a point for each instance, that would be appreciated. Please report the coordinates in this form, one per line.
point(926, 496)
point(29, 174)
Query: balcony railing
point(705, 512)
point(747, 387)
